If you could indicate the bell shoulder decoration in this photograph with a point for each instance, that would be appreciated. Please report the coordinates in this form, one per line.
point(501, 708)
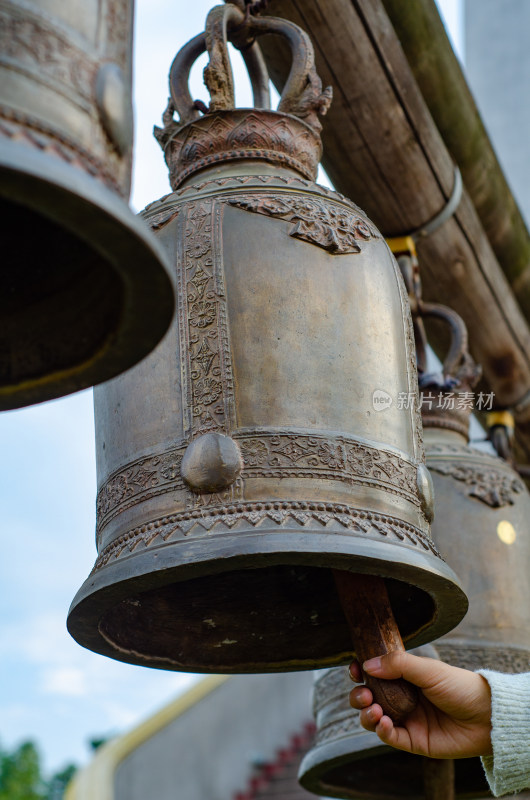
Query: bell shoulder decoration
point(83, 285)
point(246, 457)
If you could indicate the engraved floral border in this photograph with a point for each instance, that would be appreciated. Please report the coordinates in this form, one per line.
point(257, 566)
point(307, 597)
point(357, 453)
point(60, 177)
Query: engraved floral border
point(138, 481)
point(332, 685)
point(264, 455)
point(499, 657)
point(419, 450)
point(164, 210)
point(30, 41)
point(316, 220)
point(343, 725)
point(339, 458)
point(483, 482)
point(275, 512)
point(206, 369)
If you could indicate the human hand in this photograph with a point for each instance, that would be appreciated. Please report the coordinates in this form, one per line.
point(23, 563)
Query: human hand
point(453, 715)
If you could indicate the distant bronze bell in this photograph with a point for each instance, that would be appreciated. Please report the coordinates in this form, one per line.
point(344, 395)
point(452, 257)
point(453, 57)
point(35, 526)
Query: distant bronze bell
point(481, 526)
point(84, 293)
point(483, 532)
point(261, 444)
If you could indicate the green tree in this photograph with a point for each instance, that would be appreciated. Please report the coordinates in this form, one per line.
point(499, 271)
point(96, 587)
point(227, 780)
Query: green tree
point(58, 783)
point(98, 742)
point(20, 775)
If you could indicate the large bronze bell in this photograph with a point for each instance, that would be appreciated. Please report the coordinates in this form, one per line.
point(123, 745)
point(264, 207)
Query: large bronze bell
point(248, 455)
point(482, 509)
point(84, 293)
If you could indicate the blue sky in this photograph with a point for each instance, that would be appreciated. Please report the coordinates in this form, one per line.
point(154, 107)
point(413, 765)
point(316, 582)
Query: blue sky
point(51, 690)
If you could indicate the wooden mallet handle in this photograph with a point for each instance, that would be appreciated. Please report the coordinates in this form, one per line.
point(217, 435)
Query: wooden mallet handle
point(438, 778)
point(374, 632)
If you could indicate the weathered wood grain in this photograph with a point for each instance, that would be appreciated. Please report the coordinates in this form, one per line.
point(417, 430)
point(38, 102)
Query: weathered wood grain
point(447, 94)
point(374, 632)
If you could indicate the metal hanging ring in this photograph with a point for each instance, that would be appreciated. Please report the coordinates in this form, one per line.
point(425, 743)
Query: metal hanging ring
point(179, 75)
point(458, 350)
point(180, 71)
point(228, 22)
point(447, 211)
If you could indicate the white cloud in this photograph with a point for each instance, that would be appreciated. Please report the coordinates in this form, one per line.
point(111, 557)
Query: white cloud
point(42, 639)
point(67, 681)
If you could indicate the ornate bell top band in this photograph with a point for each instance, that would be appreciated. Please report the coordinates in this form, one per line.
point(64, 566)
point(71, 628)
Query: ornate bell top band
point(288, 137)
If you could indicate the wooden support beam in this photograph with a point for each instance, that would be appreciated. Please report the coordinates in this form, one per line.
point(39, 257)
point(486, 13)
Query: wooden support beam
point(445, 89)
point(382, 149)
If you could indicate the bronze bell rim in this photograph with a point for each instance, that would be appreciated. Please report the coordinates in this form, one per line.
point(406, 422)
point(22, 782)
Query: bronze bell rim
point(68, 196)
point(163, 566)
point(362, 747)
point(320, 760)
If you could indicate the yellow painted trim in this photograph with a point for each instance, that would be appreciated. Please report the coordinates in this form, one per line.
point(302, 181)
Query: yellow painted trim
point(402, 244)
point(500, 418)
point(96, 781)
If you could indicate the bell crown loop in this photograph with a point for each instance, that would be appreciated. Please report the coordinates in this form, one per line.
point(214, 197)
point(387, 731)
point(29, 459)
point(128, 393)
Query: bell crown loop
point(460, 373)
point(289, 136)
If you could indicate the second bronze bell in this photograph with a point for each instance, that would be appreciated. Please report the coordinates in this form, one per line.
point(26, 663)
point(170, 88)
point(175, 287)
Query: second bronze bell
point(84, 291)
point(481, 526)
point(248, 455)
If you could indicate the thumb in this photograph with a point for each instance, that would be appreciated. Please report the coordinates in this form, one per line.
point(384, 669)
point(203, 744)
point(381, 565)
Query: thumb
point(426, 673)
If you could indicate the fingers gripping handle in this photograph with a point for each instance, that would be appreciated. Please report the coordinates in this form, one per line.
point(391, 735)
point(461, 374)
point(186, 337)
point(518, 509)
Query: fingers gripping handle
point(374, 632)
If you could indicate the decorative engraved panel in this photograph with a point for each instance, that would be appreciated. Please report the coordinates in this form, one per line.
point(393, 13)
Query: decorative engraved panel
point(166, 205)
point(265, 455)
point(206, 370)
point(500, 658)
point(495, 488)
point(334, 684)
point(338, 458)
point(118, 30)
point(419, 450)
point(33, 44)
point(315, 220)
point(138, 481)
point(237, 134)
point(342, 725)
